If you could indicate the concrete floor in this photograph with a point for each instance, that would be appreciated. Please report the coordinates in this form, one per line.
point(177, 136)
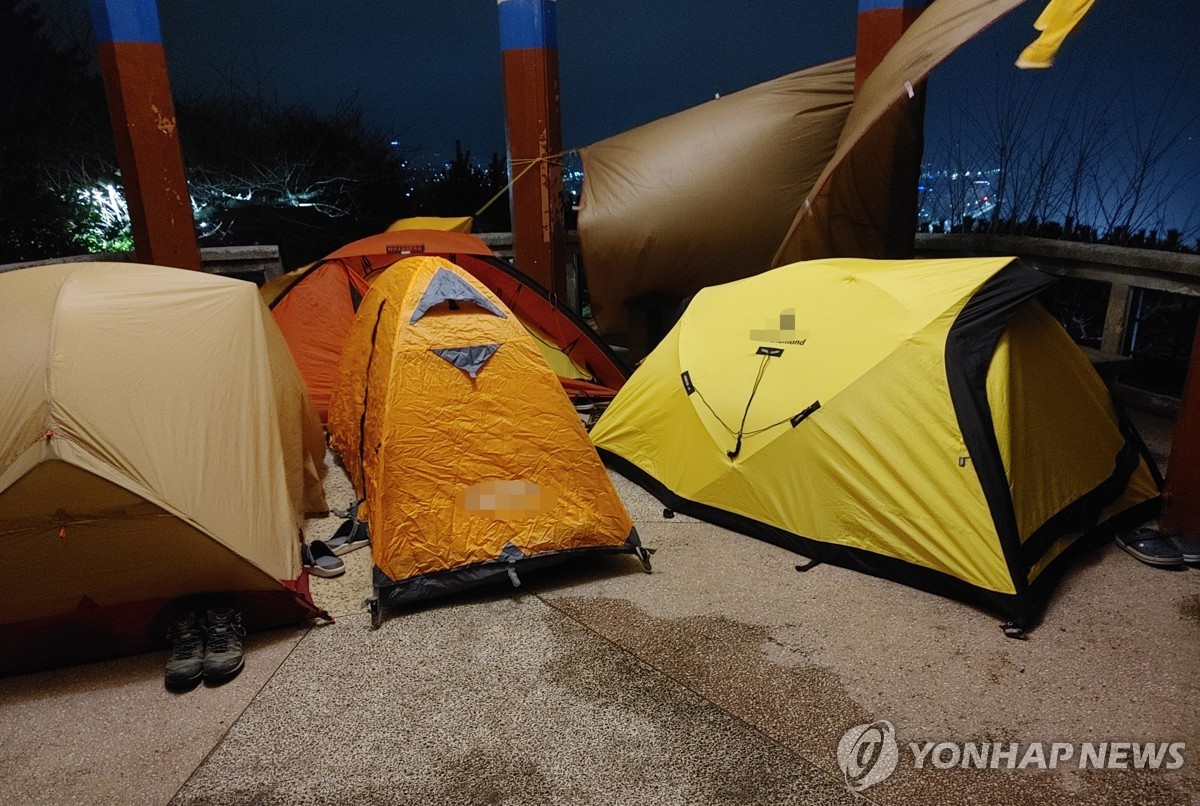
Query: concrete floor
point(723, 677)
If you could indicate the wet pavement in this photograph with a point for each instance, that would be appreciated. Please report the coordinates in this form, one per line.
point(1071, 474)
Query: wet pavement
point(724, 677)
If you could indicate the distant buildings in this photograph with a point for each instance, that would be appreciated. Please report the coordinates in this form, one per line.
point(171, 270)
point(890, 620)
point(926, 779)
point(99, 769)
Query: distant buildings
point(945, 197)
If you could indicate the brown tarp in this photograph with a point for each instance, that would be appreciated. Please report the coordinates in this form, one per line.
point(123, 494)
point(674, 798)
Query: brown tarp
point(705, 196)
point(697, 198)
point(845, 215)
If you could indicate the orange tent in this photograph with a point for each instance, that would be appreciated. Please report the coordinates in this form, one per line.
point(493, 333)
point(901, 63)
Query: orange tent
point(314, 307)
point(314, 312)
point(471, 460)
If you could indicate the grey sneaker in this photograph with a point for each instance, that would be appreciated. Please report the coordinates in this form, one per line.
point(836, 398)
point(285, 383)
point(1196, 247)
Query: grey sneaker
point(351, 534)
point(223, 657)
point(185, 667)
point(1151, 546)
point(1188, 547)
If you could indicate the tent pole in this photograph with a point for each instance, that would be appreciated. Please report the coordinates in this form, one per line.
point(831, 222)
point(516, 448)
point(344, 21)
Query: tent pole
point(146, 132)
point(529, 43)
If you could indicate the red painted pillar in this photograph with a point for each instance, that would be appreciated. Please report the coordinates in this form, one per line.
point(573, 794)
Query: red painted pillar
point(143, 119)
point(1181, 506)
point(880, 24)
point(529, 42)
point(900, 141)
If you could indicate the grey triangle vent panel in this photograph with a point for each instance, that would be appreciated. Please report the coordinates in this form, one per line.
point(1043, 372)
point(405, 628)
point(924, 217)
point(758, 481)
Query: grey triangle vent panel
point(469, 359)
point(447, 286)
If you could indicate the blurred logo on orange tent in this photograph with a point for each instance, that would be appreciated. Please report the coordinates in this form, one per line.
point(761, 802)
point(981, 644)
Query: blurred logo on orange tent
point(506, 500)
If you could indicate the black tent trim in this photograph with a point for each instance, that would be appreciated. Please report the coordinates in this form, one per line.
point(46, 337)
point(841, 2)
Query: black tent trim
point(283, 292)
point(396, 593)
point(970, 344)
point(355, 297)
point(861, 560)
point(1023, 609)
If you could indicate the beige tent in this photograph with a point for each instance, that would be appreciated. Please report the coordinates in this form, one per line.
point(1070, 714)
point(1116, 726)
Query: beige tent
point(156, 440)
point(705, 196)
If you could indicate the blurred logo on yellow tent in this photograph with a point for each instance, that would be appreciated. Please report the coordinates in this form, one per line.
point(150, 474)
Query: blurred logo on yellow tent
point(506, 500)
point(785, 333)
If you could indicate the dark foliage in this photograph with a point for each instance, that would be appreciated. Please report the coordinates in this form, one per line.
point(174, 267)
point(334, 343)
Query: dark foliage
point(55, 126)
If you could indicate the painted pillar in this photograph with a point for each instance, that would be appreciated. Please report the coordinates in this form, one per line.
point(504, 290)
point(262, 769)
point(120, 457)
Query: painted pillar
point(1181, 506)
point(902, 137)
point(529, 42)
point(143, 119)
point(880, 24)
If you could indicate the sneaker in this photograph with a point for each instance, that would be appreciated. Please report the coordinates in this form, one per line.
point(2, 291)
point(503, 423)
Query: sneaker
point(1189, 548)
point(185, 667)
point(223, 658)
point(1151, 546)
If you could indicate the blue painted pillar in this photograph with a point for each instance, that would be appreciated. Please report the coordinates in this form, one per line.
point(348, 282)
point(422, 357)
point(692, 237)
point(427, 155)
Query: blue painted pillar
point(529, 45)
point(134, 69)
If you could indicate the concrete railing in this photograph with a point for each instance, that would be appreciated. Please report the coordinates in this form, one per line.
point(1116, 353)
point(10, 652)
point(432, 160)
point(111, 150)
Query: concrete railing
point(254, 263)
point(1124, 269)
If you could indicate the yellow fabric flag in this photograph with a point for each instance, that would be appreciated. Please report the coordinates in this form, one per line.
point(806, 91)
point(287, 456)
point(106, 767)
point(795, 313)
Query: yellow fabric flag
point(1057, 20)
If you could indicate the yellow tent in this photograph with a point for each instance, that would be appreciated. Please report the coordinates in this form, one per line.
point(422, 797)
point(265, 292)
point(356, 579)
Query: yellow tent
point(155, 441)
point(472, 462)
point(924, 421)
point(441, 223)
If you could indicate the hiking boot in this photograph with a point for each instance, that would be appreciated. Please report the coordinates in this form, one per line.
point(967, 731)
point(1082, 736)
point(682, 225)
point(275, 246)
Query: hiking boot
point(223, 657)
point(185, 667)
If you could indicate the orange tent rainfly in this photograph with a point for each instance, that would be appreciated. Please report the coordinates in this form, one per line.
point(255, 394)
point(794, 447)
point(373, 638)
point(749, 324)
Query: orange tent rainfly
point(472, 462)
point(314, 310)
point(315, 305)
point(156, 441)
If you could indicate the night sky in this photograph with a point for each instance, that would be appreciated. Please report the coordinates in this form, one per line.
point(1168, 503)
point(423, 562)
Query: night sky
point(428, 73)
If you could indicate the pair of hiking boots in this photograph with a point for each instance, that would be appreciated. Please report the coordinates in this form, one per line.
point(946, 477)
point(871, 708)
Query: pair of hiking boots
point(208, 648)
